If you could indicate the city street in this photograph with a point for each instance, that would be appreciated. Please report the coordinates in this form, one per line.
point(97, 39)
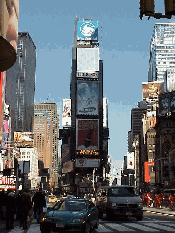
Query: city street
point(152, 222)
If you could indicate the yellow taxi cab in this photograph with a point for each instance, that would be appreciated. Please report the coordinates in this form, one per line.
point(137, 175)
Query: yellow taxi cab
point(52, 198)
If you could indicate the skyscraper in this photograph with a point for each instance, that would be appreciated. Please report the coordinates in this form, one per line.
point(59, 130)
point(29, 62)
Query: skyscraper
point(162, 50)
point(53, 120)
point(20, 86)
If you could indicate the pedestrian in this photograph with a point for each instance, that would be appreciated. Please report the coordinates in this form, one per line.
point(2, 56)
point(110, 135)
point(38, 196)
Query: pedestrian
point(26, 205)
point(10, 210)
point(18, 206)
point(2, 204)
point(39, 202)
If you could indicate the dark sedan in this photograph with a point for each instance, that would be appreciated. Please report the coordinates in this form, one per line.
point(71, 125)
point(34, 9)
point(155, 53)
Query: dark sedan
point(71, 215)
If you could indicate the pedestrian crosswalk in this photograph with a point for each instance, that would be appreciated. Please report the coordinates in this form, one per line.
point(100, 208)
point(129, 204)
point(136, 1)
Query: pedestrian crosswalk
point(113, 227)
point(143, 226)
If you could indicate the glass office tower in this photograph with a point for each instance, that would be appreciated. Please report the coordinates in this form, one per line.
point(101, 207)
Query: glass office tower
point(20, 86)
point(162, 51)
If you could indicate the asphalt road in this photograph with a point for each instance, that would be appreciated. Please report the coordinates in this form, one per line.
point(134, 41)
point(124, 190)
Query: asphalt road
point(150, 223)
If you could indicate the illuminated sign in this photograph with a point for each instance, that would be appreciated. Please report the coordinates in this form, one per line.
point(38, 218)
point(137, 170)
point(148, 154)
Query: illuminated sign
point(87, 75)
point(87, 152)
point(87, 30)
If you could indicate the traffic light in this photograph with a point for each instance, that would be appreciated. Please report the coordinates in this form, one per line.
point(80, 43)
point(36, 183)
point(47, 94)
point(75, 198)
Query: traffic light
point(169, 7)
point(146, 7)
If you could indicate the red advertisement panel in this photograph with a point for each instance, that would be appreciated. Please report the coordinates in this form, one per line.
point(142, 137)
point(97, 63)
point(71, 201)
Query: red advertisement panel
point(87, 135)
point(148, 170)
point(1, 110)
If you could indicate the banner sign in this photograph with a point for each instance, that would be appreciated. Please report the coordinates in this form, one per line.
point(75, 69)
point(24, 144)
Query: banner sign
point(68, 166)
point(66, 117)
point(87, 162)
point(87, 134)
point(164, 104)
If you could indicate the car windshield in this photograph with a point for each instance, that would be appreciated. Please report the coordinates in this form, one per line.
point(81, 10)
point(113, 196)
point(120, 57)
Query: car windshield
point(72, 205)
point(122, 191)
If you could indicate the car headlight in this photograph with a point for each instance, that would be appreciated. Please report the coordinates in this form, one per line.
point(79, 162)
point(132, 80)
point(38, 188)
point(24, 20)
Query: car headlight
point(43, 219)
point(78, 220)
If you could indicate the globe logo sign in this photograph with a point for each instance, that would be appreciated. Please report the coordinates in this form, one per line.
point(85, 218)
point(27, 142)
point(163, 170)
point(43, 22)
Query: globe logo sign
point(87, 29)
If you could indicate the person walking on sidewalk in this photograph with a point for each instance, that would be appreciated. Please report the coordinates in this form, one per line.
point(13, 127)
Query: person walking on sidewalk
point(39, 202)
point(10, 210)
point(26, 205)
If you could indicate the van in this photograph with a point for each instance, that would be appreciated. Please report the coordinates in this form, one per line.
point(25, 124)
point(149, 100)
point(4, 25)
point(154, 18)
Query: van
point(121, 201)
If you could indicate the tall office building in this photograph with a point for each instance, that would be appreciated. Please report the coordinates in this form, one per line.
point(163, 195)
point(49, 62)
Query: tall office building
point(43, 131)
point(162, 51)
point(20, 86)
point(53, 119)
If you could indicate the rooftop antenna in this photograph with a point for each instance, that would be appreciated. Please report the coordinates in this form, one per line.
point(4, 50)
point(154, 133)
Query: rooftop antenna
point(48, 97)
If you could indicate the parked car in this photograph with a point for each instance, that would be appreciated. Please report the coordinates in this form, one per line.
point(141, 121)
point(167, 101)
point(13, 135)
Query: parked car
point(71, 215)
point(118, 201)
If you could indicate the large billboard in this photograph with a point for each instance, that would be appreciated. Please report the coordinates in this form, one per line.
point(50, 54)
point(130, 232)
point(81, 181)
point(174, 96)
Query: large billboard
point(151, 91)
point(87, 59)
point(66, 117)
point(87, 30)
point(87, 134)
point(23, 138)
point(87, 97)
point(9, 21)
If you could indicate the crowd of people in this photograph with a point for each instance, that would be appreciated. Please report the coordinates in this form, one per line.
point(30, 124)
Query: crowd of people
point(158, 200)
point(21, 204)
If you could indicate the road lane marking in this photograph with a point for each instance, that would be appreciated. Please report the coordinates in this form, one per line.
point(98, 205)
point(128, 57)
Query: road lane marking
point(118, 227)
point(162, 227)
point(101, 228)
point(141, 227)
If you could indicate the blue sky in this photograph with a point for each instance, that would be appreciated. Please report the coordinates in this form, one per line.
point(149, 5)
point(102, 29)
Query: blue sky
point(124, 48)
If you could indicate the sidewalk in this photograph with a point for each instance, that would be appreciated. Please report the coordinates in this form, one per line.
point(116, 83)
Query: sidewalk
point(163, 210)
point(17, 228)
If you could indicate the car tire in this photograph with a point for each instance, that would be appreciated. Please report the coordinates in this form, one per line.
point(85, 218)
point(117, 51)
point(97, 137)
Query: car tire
point(108, 216)
point(96, 225)
point(87, 228)
point(45, 231)
point(100, 214)
point(139, 218)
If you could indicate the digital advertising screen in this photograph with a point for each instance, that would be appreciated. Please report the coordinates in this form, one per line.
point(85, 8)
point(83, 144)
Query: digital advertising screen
point(87, 97)
point(87, 134)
